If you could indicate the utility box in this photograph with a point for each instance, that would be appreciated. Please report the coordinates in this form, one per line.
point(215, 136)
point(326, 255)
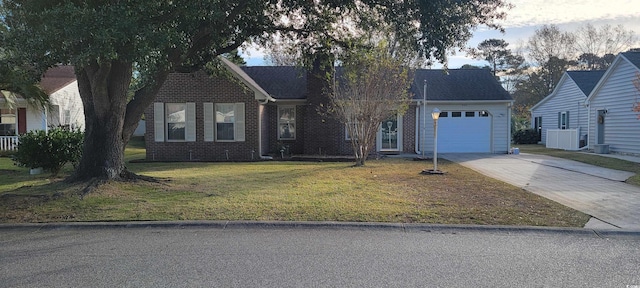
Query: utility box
point(601, 148)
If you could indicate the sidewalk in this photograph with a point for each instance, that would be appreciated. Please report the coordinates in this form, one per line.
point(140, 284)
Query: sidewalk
point(596, 191)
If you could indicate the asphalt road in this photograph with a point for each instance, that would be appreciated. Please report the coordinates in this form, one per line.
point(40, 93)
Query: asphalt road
point(319, 257)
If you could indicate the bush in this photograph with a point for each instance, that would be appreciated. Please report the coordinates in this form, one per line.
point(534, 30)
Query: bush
point(525, 136)
point(51, 150)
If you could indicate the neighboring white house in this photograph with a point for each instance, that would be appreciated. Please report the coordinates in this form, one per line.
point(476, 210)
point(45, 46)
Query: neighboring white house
point(565, 107)
point(611, 117)
point(66, 108)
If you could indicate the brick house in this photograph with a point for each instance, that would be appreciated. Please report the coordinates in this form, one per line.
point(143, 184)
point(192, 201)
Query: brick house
point(267, 110)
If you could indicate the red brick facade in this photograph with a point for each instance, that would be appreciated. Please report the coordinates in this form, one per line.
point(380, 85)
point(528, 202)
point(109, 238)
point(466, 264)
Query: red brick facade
point(316, 134)
point(200, 88)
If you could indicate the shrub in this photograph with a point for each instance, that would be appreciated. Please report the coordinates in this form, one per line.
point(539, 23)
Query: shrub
point(51, 150)
point(525, 136)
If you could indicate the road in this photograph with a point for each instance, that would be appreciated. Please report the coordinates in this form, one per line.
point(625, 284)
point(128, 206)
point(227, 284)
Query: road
point(320, 257)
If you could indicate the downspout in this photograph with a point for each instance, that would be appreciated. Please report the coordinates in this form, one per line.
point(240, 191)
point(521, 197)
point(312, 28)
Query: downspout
point(417, 129)
point(588, 124)
point(509, 106)
point(422, 135)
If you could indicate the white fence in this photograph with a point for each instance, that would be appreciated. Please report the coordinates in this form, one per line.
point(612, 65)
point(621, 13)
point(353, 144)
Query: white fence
point(8, 143)
point(568, 139)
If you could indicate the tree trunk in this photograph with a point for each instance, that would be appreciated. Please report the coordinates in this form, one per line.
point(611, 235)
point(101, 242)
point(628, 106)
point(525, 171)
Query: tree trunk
point(103, 89)
point(110, 118)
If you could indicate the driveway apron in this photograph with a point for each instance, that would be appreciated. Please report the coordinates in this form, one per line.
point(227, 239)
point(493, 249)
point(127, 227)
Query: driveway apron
point(596, 191)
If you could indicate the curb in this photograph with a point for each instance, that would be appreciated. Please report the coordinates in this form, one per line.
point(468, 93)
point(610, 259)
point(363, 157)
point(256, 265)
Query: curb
point(329, 225)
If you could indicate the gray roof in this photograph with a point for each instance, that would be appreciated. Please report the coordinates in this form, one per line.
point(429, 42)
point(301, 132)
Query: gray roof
point(281, 82)
point(458, 85)
point(586, 80)
point(288, 82)
point(633, 57)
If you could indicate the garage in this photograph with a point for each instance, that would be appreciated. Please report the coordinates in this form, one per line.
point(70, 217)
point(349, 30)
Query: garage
point(464, 131)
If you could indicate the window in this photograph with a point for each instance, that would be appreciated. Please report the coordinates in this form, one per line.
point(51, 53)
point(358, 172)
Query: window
point(228, 120)
point(7, 122)
point(175, 121)
point(456, 114)
point(563, 120)
point(444, 114)
point(67, 117)
point(287, 122)
point(484, 113)
point(470, 114)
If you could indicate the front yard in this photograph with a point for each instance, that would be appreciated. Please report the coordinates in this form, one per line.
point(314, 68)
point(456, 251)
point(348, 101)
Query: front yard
point(388, 190)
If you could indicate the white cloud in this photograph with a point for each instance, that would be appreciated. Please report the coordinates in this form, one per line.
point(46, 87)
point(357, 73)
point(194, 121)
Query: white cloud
point(537, 12)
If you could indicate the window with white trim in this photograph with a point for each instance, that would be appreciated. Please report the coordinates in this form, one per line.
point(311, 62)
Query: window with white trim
point(563, 120)
point(7, 122)
point(174, 122)
point(227, 121)
point(287, 122)
point(175, 117)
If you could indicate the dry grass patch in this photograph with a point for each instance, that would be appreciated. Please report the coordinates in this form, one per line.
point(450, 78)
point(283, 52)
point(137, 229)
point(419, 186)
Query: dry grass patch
point(389, 190)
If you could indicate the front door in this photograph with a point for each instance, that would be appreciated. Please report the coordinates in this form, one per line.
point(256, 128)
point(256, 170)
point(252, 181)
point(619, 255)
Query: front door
point(600, 126)
point(390, 134)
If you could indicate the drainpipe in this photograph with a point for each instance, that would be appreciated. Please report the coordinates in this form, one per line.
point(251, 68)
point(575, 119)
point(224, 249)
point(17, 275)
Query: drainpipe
point(509, 106)
point(586, 104)
point(417, 129)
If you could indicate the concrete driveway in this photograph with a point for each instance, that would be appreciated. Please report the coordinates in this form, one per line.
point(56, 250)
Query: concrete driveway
point(596, 191)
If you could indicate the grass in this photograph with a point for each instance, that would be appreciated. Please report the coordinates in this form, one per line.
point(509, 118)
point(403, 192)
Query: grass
point(387, 190)
point(606, 162)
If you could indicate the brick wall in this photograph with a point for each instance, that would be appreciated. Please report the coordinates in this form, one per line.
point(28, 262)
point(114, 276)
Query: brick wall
point(199, 88)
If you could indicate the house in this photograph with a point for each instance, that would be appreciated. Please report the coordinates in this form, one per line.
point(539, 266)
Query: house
point(65, 108)
point(611, 119)
point(274, 111)
point(565, 108)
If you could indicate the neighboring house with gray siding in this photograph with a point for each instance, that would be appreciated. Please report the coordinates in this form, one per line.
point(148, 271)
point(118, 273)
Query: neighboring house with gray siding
point(611, 118)
point(565, 107)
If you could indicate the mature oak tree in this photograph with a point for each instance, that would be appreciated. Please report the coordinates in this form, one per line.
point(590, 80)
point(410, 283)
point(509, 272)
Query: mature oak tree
point(107, 41)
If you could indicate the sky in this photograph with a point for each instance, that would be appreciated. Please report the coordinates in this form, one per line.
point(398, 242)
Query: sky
point(529, 15)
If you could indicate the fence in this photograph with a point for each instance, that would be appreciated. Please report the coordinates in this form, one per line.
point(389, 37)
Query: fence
point(568, 139)
point(8, 143)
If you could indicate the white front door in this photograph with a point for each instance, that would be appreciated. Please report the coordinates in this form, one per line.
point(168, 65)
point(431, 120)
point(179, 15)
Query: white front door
point(390, 134)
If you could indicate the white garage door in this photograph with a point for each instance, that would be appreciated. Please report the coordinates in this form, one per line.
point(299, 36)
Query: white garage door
point(464, 131)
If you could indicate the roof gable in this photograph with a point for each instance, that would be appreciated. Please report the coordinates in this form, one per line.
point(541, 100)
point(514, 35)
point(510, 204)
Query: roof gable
point(632, 58)
point(260, 93)
point(57, 78)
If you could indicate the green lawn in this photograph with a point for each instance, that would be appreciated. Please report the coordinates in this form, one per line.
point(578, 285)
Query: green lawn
point(388, 190)
point(606, 162)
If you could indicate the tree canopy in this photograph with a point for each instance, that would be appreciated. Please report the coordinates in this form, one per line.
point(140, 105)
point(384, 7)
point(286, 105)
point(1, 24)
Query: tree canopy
point(107, 41)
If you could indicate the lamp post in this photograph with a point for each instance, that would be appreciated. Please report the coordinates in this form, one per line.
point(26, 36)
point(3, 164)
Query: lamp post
point(435, 115)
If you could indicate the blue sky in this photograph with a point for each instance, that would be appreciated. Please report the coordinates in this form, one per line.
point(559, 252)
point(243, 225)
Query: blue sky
point(529, 15)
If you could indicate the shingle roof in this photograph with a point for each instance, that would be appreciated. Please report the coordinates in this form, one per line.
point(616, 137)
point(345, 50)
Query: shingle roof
point(287, 82)
point(586, 80)
point(458, 85)
point(633, 57)
point(281, 82)
point(57, 78)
